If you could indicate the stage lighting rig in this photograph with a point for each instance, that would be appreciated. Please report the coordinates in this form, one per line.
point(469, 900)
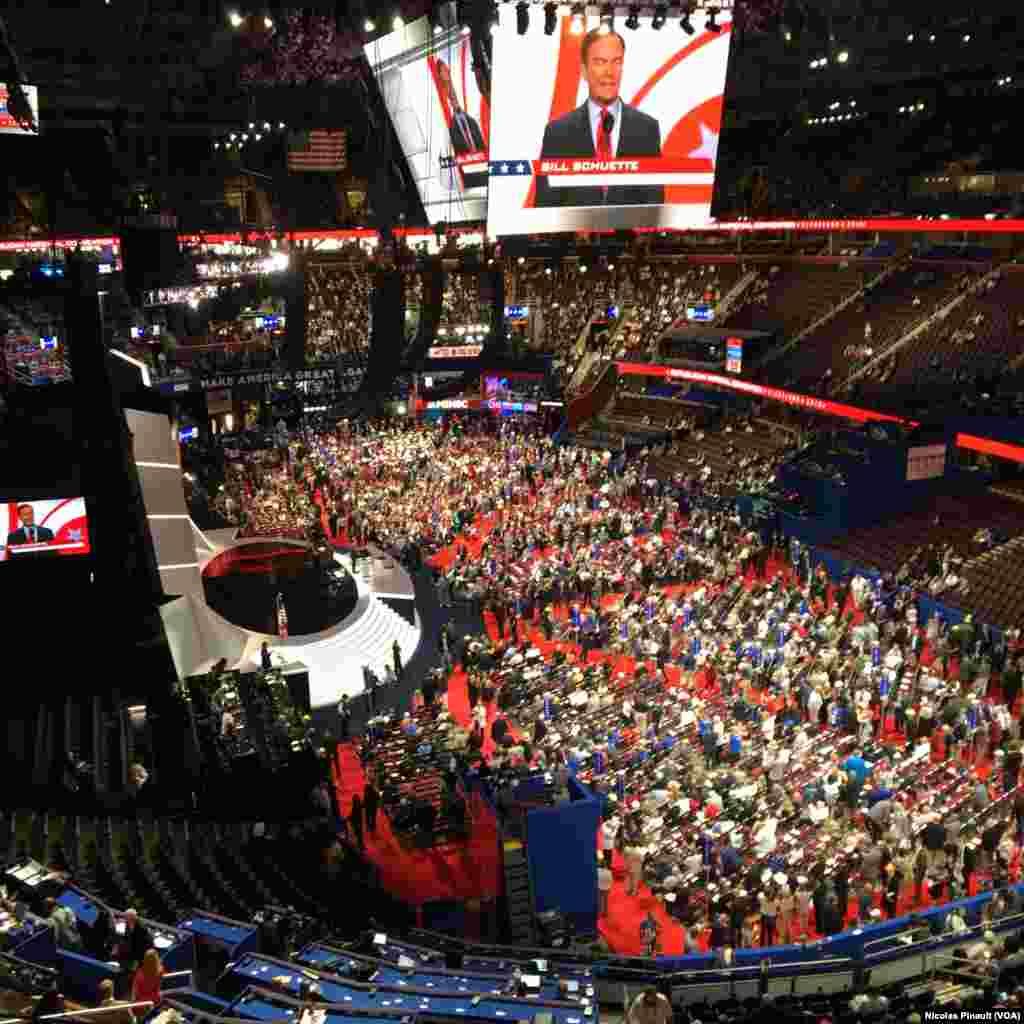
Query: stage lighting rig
point(660, 16)
point(711, 25)
point(685, 24)
point(522, 18)
point(633, 21)
point(550, 19)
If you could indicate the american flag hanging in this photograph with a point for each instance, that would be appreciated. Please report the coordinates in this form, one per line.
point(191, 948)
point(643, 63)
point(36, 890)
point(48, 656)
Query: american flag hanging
point(317, 150)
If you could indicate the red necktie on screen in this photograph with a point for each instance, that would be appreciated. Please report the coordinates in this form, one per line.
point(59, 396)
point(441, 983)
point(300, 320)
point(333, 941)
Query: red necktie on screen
point(604, 143)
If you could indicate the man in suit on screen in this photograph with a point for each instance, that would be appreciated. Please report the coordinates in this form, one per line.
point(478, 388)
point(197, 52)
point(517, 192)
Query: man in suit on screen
point(465, 131)
point(29, 533)
point(603, 128)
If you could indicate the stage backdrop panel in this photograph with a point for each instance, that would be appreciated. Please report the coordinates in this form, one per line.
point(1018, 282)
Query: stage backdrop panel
point(440, 114)
point(561, 845)
point(548, 168)
point(155, 446)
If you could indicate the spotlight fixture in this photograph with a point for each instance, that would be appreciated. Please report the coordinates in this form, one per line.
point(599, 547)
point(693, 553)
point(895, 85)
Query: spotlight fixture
point(576, 25)
point(268, 22)
point(550, 18)
point(398, 22)
point(235, 19)
point(910, 37)
point(842, 56)
point(711, 25)
point(369, 25)
point(280, 125)
point(633, 21)
point(685, 24)
point(660, 16)
point(522, 18)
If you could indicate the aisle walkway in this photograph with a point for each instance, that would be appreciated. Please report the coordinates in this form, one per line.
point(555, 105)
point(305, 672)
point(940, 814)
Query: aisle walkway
point(453, 871)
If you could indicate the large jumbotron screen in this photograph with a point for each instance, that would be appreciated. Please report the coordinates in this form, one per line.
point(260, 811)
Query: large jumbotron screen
point(626, 138)
point(440, 114)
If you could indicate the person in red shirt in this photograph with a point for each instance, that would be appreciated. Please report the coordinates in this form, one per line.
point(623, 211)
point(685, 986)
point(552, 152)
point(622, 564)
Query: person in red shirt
point(146, 983)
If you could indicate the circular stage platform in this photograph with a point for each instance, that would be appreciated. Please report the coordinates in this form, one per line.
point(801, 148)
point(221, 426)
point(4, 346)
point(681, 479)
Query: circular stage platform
point(242, 584)
point(330, 637)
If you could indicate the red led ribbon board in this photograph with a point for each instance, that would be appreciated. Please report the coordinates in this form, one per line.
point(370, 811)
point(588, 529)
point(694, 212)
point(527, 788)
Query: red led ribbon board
point(812, 402)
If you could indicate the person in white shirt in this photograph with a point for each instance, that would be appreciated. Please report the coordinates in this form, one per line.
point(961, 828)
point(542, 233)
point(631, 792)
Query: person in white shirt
point(814, 706)
point(604, 889)
point(634, 857)
point(817, 812)
point(801, 741)
point(765, 838)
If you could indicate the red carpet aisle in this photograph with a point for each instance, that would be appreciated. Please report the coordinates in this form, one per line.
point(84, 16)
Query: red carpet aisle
point(456, 871)
point(621, 928)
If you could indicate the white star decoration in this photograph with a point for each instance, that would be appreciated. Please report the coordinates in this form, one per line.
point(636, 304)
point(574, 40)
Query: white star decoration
point(504, 168)
point(522, 168)
point(708, 148)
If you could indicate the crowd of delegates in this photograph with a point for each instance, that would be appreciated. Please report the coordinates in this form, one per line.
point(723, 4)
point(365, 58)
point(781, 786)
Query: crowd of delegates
point(657, 293)
point(663, 293)
point(338, 310)
point(699, 672)
point(749, 471)
point(566, 298)
point(461, 304)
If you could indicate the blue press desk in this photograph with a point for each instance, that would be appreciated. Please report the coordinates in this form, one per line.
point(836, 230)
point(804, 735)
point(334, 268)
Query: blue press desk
point(237, 937)
point(392, 950)
point(33, 941)
point(319, 956)
point(83, 974)
point(257, 1006)
point(404, 998)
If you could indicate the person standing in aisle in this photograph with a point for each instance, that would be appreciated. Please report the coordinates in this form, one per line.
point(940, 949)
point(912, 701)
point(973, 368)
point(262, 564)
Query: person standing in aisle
point(371, 803)
point(355, 820)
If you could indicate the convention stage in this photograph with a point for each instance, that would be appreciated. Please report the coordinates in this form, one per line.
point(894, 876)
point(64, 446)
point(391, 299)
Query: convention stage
point(382, 611)
point(242, 585)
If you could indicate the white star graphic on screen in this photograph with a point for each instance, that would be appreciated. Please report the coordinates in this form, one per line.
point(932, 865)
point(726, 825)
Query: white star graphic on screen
point(504, 168)
point(708, 148)
point(522, 168)
point(75, 534)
